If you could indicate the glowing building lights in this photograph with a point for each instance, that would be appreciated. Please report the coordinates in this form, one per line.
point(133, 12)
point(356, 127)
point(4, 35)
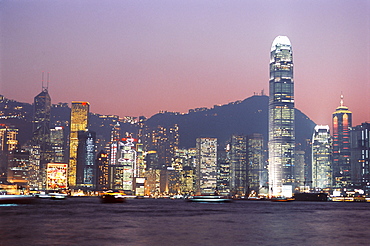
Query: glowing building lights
point(342, 122)
point(79, 122)
point(281, 116)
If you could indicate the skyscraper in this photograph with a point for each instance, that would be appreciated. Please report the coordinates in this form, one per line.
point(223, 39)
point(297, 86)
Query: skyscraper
point(41, 131)
point(79, 122)
point(103, 171)
point(257, 175)
point(281, 117)
point(321, 158)
point(342, 122)
point(206, 170)
point(238, 165)
point(86, 167)
point(8, 143)
point(360, 157)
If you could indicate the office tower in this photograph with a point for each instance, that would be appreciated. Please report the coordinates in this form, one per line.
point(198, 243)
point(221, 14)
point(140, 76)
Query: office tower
point(342, 122)
point(238, 165)
point(299, 170)
point(187, 180)
point(321, 158)
point(41, 130)
point(360, 157)
point(79, 122)
point(8, 143)
point(57, 144)
point(281, 118)
point(125, 165)
point(86, 169)
point(140, 160)
point(257, 173)
point(151, 160)
point(170, 181)
point(103, 171)
point(18, 167)
point(34, 179)
point(206, 169)
point(223, 169)
point(163, 140)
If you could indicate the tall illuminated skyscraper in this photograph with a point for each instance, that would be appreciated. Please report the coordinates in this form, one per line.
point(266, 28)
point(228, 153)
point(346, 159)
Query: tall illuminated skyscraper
point(281, 117)
point(238, 165)
point(321, 158)
point(41, 131)
point(342, 122)
point(79, 122)
point(206, 169)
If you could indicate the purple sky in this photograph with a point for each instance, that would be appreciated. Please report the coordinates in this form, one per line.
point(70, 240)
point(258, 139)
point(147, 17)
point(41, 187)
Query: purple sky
point(132, 58)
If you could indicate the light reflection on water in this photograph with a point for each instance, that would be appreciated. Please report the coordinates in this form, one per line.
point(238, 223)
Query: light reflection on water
point(85, 221)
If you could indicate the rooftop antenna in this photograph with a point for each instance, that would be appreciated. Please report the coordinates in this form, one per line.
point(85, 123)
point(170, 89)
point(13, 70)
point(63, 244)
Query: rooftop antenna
point(47, 83)
point(341, 99)
point(42, 81)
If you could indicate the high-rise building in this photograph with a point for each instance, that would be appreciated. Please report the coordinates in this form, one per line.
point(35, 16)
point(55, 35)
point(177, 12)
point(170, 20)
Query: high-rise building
point(18, 167)
point(79, 122)
point(223, 170)
point(238, 165)
point(321, 158)
point(86, 168)
point(8, 143)
point(57, 144)
point(124, 166)
point(41, 130)
point(103, 171)
point(257, 173)
point(281, 117)
point(360, 157)
point(342, 122)
point(206, 169)
point(163, 140)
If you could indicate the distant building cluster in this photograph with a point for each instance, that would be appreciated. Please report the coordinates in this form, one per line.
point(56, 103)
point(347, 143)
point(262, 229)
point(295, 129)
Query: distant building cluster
point(144, 159)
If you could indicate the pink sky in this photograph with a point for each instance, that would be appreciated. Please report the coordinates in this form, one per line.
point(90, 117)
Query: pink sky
point(132, 58)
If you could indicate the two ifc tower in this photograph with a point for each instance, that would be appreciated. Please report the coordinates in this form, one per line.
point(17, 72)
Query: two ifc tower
point(281, 118)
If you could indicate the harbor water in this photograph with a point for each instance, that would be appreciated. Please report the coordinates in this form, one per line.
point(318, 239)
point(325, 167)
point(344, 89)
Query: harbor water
point(87, 221)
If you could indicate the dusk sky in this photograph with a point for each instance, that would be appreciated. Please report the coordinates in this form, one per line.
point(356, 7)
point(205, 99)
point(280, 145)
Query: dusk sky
point(132, 58)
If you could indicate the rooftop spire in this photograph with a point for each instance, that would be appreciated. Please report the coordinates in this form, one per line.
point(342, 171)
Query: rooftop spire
point(341, 99)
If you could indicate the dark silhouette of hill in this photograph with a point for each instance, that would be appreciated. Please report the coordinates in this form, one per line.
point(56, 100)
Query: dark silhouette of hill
point(242, 117)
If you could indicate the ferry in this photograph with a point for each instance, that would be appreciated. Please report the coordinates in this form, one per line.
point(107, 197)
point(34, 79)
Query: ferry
point(16, 199)
point(113, 197)
point(317, 197)
point(209, 198)
point(281, 199)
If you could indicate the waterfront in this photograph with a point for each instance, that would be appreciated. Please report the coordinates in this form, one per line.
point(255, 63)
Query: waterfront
point(86, 221)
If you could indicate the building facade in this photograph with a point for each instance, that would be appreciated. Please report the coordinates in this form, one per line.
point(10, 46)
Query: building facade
point(342, 122)
point(281, 117)
point(41, 131)
point(360, 157)
point(238, 165)
point(85, 167)
point(321, 158)
point(206, 169)
point(79, 122)
point(257, 172)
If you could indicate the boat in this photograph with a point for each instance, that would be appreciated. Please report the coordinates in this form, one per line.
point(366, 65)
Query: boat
point(113, 197)
point(305, 196)
point(281, 199)
point(209, 198)
point(52, 195)
point(57, 196)
point(16, 199)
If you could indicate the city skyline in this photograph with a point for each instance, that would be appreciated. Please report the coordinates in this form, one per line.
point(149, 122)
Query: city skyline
point(140, 58)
